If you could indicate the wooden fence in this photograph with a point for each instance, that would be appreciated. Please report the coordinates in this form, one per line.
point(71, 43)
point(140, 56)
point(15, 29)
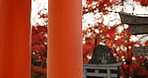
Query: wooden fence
point(95, 70)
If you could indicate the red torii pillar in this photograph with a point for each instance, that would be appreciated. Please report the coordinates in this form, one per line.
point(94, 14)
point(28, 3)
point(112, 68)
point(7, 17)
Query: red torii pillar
point(15, 53)
point(65, 39)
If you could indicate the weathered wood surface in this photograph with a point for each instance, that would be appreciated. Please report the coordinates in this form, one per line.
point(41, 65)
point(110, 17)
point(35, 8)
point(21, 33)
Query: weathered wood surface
point(140, 51)
point(98, 67)
point(102, 65)
point(102, 75)
point(102, 55)
point(137, 24)
point(132, 19)
point(138, 29)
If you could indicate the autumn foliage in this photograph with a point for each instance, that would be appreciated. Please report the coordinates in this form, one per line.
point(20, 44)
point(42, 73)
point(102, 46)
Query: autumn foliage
point(119, 42)
point(116, 37)
point(39, 49)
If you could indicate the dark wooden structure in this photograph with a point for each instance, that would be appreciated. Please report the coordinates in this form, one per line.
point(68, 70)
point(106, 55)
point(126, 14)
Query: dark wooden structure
point(109, 70)
point(137, 25)
point(102, 64)
point(102, 55)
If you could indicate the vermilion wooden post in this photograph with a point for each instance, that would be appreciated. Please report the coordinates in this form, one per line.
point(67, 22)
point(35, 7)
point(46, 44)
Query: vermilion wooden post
point(15, 54)
point(65, 39)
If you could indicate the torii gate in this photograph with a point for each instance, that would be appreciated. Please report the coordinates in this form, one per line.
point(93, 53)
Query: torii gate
point(64, 42)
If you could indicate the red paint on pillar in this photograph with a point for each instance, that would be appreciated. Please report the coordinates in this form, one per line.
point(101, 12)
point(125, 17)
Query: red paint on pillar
point(15, 53)
point(65, 39)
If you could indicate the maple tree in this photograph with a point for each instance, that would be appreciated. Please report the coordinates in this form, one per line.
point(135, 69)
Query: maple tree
point(119, 42)
point(109, 35)
point(39, 49)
